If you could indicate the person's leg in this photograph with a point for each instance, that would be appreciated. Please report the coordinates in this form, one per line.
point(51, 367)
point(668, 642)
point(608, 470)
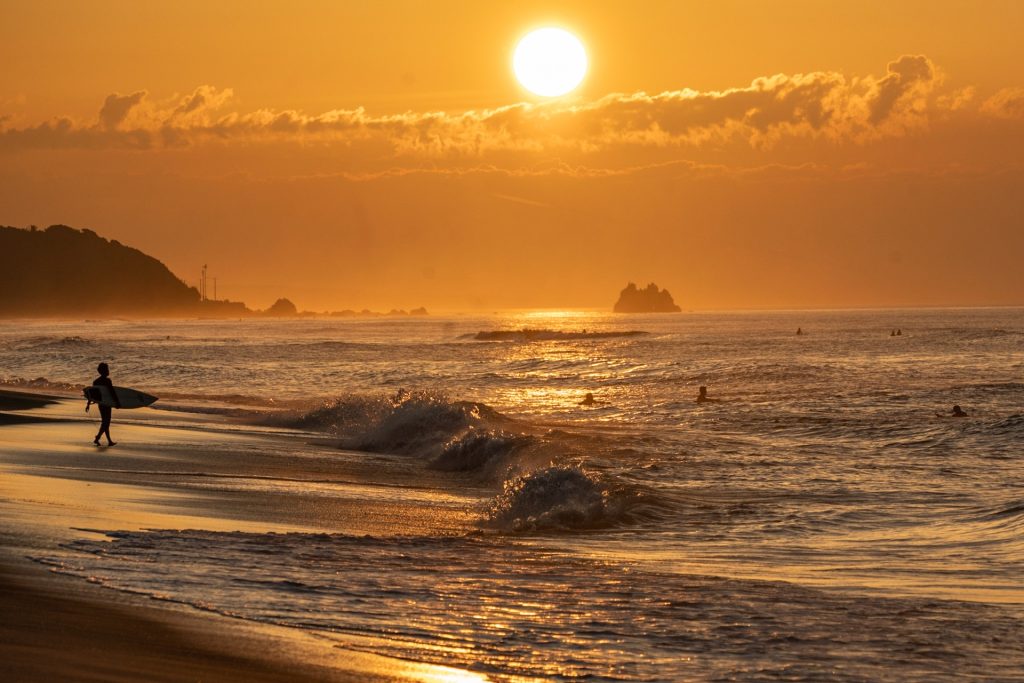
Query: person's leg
point(105, 414)
point(104, 423)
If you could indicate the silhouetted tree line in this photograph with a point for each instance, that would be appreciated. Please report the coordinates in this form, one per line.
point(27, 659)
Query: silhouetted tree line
point(647, 300)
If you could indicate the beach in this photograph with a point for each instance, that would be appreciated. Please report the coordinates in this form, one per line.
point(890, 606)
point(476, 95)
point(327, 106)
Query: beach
point(415, 500)
point(55, 486)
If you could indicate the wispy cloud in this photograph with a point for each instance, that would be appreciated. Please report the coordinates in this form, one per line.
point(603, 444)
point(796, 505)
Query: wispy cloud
point(1008, 103)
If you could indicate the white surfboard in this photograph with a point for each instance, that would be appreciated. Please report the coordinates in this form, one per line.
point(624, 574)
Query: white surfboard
point(128, 398)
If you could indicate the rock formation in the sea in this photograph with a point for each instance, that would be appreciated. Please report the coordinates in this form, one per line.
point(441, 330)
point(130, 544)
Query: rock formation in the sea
point(650, 299)
point(282, 308)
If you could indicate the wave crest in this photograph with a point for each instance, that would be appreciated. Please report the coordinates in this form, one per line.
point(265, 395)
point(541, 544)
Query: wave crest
point(479, 448)
point(425, 423)
point(553, 498)
point(419, 423)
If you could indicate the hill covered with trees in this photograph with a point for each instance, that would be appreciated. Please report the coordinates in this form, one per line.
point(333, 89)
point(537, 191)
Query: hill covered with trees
point(61, 272)
point(64, 271)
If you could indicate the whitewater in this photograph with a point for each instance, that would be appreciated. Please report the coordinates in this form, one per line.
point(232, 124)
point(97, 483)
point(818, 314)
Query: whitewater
point(825, 517)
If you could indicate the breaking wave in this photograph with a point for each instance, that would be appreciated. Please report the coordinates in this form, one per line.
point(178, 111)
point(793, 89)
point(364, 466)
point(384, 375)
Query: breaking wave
point(559, 498)
point(480, 448)
point(453, 434)
point(540, 491)
point(420, 423)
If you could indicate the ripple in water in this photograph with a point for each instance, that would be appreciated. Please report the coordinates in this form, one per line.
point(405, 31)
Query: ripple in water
point(512, 610)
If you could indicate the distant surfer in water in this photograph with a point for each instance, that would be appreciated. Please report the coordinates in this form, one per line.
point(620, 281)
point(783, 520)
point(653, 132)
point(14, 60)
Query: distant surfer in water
point(105, 411)
point(956, 412)
point(589, 400)
point(702, 396)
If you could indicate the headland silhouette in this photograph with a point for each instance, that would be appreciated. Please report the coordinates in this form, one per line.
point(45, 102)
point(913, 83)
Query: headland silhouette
point(63, 271)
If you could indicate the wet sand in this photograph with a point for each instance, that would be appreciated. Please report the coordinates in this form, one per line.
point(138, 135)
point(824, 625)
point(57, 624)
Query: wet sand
point(57, 629)
point(55, 486)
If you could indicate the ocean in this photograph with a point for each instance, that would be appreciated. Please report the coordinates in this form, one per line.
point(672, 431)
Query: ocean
point(824, 517)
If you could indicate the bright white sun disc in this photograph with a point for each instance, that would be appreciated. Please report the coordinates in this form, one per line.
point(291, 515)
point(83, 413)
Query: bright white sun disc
point(550, 62)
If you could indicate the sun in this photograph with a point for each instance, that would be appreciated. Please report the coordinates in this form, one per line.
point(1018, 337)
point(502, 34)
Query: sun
point(550, 62)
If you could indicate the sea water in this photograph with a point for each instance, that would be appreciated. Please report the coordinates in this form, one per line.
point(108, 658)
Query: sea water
point(824, 518)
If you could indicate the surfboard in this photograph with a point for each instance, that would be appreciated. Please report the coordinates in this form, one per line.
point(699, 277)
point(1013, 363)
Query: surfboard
point(128, 398)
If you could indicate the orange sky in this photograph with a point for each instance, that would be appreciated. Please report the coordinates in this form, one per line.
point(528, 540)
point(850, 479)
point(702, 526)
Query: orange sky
point(381, 154)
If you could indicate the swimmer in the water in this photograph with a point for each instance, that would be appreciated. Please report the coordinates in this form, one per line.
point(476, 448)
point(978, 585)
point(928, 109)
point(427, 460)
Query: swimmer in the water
point(588, 400)
point(702, 396)
point(956, 412)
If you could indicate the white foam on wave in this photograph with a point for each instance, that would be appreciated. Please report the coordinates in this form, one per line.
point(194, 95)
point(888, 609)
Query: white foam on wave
point(553, 498)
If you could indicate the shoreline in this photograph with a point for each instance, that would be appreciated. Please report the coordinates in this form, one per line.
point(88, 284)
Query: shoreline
point(55, 627)
point(59, 627)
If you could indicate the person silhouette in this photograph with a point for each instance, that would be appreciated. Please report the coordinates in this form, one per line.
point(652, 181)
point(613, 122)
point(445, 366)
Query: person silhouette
point(956, 412)
point(588, 400)
point(702, 396)
point(799, 331)
point(105, 411)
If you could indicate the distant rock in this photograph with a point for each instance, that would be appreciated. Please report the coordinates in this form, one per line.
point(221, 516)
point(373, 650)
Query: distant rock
point(647, 300)
point(282, 308)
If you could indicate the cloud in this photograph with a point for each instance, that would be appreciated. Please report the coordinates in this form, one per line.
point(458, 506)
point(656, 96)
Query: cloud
point(202, 101)
point(907, 78)
point(958, 99)
point(64, 133)
point(822, 105)
point(116, 108)
point(1008, 103)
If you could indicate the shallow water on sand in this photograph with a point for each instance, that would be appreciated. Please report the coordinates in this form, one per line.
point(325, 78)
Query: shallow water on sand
point(819, 521)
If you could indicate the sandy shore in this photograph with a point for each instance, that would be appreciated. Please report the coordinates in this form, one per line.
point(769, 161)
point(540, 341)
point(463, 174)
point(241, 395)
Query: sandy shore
point(55, 486)
point(57, 629)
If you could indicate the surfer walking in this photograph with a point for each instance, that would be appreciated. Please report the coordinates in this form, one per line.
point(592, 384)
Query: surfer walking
point(105, 411)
